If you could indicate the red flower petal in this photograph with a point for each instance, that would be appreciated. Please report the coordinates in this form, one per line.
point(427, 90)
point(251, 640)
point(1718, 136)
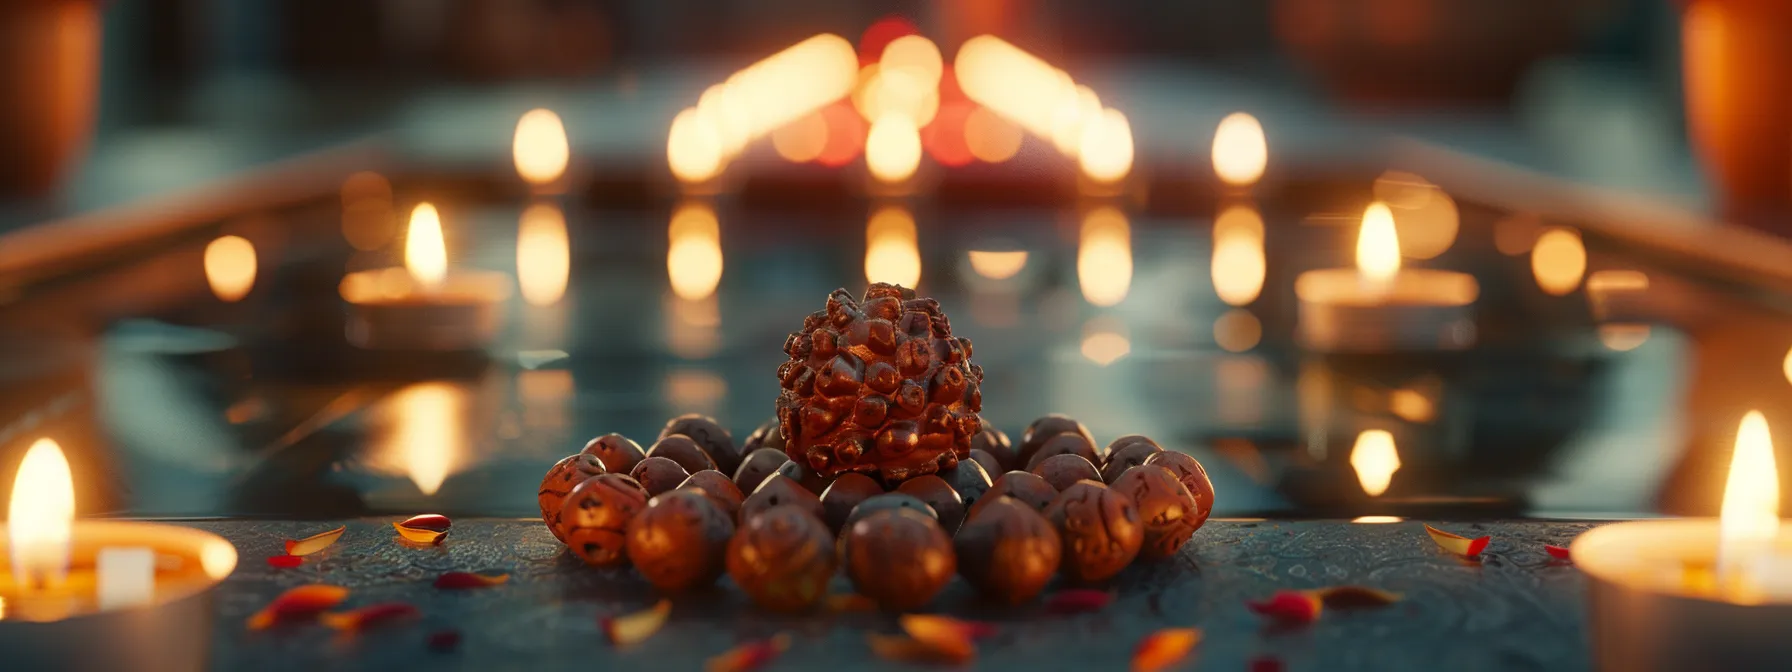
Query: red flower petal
point(908, 649)
point(1289, 607)
point(314, 543)
point(464, 580)
point(368, 616)
point(443, 640)
point(1460, 545)
point(298, 603)
point(631, 628)
point(750, 656)
point(1265, 664)
point(1162, 649)
point(285, 561)
point(428, 528)
point(1557, 552)
point(946, 635)
point(1077, 601)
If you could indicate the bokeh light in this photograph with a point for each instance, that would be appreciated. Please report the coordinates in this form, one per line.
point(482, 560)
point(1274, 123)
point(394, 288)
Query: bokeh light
point(1105, 151)
point(539, 147)
point(1237, 330)
point(543, 254)
point(694, 253)
point(230, 267)
point(803, 140)
point(991, 138)
point(1240, 151)
point(1558, 260)
point(893, 148)
point(1104, 256)
point(694, 147)
point(891, 251)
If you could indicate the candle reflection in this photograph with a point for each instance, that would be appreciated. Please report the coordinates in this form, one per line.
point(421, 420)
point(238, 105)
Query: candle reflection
point(423, 437)
point(1238, 259)
point(1103, 342)
point(1558, 259)
point(1375, 461)
point(695, 391)
point(1623, 337)
point(1104, 256)
point(1237, 330)
point(694, 253)
point(539, 147)
point(693, 326)
point(891, 254)
point(543, 261)
point(1376, 520)
point(998, 265)
point(230, 267)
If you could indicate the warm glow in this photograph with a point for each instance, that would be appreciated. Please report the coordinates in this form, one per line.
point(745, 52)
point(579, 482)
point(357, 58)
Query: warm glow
point(801, 141)
point(991, 138)
point(694, 146)
point(1750, 519)
point(40, 516)
point(1412, 405)
point(1000, 265)
point(692, 326)
point(1104, 256)
point(694, 253)
point(1240, 152)
point(540, 148)
point(906, 81)
point(1075, 109)
point(1377, 245)
point(1105, 347)
point(1425, 216)
point(733, 121)
point(425, 255)
point(893, 148)
point(1787, 366)
point(794, 82)
point(543, 254)
point(425, 439)
point(1237, 330)
point(230, 267)
point(1105, 151)
point(1558, 260)
point(1013, 83)
point(1608, 281)
point(1514, 236)
point(368, 220)
point(914, 54)
point(1623, 337)
point(1376, 520)
point(1239, 267)
point(1375, 460)
point(891, 254)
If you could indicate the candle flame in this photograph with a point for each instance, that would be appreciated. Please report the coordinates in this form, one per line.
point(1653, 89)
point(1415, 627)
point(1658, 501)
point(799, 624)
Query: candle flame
point(694, 253)
point(694, 148)
point(1377, 244)
point(893, 148)
point(230, 267)
point(543, 254)
point(1750, 517)
point(1240, 152)
point(539, 147)
point(1375, 461)
point(1105, 151)
point(41, 515)
point(425, 255)
point(1104, 257)
point(891, 254)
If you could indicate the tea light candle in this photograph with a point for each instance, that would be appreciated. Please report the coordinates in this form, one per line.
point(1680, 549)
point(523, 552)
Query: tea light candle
point(1379, 306)
point(424, 305)
point(92, 595)
point(1697, 593)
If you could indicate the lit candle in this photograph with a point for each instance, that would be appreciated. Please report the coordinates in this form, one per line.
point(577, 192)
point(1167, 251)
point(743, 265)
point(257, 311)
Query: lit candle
point(84, 594)
point(1697, 593)
point(1380, 306)
point(424, 305)
point(540, 150)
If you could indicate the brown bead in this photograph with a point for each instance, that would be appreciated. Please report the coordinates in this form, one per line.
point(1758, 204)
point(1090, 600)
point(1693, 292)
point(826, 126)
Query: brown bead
point(997, 445)
point(659, 474)
point(758, 465)
point(1043, 430)
point(947, 506)
point(969, 480)
point(783, 558)
point(683, 450)
point(990, 464)
point(710, 436)
point(560, 480)
point(810, 480)
point(1009, 552)
point(1063, 470)
point(1193, 476)
point(1127, 456)
point(779, 490)
point(1065, 444)
point(887, 501)
point(594, 520)
point(765, 436)
point(1099, 528)
point(1128, 440)
point(680, 540)
point(718, 488)
point(1165, 507)
point(846, 492)
point(1029, 488)
point(900, 558)
point(619, 453)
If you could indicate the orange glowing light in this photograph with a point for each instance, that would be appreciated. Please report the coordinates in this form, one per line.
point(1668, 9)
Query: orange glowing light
point(944, 139)
point(1011, 82)
point(1425, 216)
point(1558, 260)
point(846, 135)
point(1237, 330)
point(1376, 520)
point(1375, 461)
point(803, 140)
point(1000, 265)
point(902, 92)
point(40, 516)
point(1105, 151)
point(1240, 151)
point(543, 254)
point(540, 147)
point(893, 148)
point(891, 252)
point(1514, 235)
point(1105, 347)
point(694, 147)
point(1623, 337)
point(1377, 245)
point(794, 82)
point(425, 254)
point(1239, 267)
point(916, 54)
point(1750, 519)
point(1104, 256)
point(991, 138)
point(368, 221)
point(1787, 366)
point(424, 436)
point(1075, 110)
point(1412, 405)
point(230, 267)
point(694, 253)
point(733, 121)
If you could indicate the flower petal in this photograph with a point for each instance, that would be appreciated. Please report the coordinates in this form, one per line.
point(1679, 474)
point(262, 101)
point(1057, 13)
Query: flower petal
point(416, 536)
point(1164, 648)
point(368, 616)
point(1557, 552)
point(443, 640)
point(750, 656)
point(285, 561)
point(298, 603)
point(464, 580)
point(1077, 601)
point(631, 628)
point(428, 528)
point(1460, 545)
point(951, 637)
point(1289, 607)
point(907, 649)
point(314, 543)
point(1353, 597)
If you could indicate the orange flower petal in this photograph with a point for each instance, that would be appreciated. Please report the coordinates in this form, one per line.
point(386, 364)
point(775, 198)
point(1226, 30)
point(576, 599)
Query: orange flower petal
point(1289, 607)
point(1353, 597)
point(301, 602)
point(750, 656)
point(907, 649)
point(631, 628)
point(428, 528)
point(1164, 648)
point(285, 561)
point(850, 602)
point(951, 637)
point(416, 536)
point(464, 580)
point(1077, 601)
point(1460, 545)
point(1557, 552)
point(368, 616)
point(314, 543)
